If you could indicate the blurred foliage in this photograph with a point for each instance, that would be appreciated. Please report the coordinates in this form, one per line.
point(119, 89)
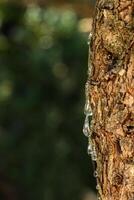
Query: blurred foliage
point(43, 63)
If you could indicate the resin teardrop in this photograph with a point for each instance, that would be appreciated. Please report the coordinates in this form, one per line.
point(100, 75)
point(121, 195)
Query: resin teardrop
point(86, 128)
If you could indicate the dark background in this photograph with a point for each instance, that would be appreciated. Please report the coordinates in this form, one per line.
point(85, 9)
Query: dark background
point(43, 69)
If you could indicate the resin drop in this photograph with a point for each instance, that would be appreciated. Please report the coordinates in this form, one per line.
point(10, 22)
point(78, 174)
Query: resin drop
point(89, 149)
point(95, 174)
point(94, 156)
point(87, 109)
point(86, 129)
point(97, 187)
point(89, 38)
point(88, 42)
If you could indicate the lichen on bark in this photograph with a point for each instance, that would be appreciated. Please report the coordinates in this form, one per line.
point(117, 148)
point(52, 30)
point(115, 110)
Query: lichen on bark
point(111, 95)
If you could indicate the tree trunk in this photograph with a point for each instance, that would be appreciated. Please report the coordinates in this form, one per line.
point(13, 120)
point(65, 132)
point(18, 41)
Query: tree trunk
point(110, 91)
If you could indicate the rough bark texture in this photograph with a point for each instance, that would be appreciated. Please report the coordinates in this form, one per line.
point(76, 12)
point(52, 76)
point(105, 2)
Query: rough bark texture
point(111, 95)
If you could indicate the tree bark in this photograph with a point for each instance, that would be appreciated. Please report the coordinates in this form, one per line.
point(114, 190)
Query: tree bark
point(110, 90)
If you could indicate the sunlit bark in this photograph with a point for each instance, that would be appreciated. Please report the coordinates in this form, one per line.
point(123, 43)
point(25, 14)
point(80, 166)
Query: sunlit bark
point(111, 94)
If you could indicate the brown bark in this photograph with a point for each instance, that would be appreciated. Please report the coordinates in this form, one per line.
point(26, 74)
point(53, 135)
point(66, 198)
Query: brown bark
point(110, 90)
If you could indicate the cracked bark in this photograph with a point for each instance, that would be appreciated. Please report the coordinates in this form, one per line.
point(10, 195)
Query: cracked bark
point(111, 94)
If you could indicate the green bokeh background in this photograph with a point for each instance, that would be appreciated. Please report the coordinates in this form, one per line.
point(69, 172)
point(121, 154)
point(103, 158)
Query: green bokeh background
point(43, 69)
